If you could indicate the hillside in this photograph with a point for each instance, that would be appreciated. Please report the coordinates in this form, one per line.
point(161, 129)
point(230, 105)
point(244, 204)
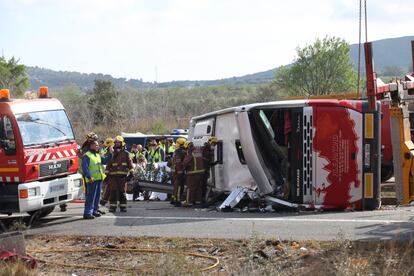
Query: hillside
point(391, 55)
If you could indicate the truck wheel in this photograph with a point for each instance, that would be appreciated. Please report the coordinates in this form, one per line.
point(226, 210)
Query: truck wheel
point(386, 173)
point(44, 212)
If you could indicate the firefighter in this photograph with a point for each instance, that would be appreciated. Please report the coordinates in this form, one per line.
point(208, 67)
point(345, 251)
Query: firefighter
point(195, 170)
point(106, 155)
point(208, 157)
point(118, 170)
point(93, 174)
point(177, 168)
point(155, 154)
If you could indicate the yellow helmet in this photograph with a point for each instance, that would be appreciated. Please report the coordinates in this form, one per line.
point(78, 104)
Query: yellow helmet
point(179, 143)
point(92, 136)
point(109, 142)
point(212, 140)
point(187, 144)
point(120, 139)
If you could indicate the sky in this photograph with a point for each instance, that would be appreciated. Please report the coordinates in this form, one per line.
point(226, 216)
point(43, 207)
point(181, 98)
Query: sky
point(166, 40)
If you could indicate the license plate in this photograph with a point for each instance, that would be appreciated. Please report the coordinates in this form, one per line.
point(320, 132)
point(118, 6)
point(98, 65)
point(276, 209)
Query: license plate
point(57, 188)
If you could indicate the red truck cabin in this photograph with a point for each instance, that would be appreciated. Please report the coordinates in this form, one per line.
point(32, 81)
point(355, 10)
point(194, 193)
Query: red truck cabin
point(38, 156)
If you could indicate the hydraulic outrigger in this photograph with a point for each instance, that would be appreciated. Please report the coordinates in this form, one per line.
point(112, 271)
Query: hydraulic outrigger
point(401, 94)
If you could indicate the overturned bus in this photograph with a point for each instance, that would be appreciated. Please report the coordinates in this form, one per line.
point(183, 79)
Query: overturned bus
point(320, 153)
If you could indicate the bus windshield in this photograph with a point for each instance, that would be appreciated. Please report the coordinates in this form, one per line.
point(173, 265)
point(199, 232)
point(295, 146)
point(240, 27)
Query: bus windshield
point(44, 127)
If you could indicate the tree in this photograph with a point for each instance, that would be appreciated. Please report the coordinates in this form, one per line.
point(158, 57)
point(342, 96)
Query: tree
point(319, 69)
point(103, 101)
point(13, 76)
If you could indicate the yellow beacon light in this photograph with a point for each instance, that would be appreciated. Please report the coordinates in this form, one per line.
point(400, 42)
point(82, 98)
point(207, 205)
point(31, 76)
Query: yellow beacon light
point(43, 92)
point(4, 94)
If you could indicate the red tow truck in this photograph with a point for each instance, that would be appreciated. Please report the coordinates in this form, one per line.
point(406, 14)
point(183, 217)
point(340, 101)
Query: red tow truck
point(38, 155)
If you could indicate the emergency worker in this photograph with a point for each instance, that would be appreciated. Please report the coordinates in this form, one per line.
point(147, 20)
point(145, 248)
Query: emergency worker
point(208, 157)
point(155, 154)
point(163, 143)
point(133, 153)
point(91, 136)
point(107, 149)
point(93, 174)
point(195, 169)
point(118, 170)
point(142, 151)
point(106, 155)
point(170, 148)
point(177, 168)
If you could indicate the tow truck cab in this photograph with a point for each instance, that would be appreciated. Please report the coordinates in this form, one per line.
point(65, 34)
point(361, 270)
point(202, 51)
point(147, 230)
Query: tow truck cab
point(315, 153)
point(38, 154)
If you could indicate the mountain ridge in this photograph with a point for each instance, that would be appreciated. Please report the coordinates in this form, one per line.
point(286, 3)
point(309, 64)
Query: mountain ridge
point(385, 55)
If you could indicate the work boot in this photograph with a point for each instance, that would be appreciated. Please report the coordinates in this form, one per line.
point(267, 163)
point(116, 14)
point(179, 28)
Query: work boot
point(112, 210)
point(96, 215)
point(102, 202)
point(187, 204)
point(123, 210)
point(88, 217)
point(101, 212)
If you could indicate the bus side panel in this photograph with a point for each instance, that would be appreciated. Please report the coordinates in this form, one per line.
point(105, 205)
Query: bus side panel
point(297, 156)
point(338, 150)
point(230, 173)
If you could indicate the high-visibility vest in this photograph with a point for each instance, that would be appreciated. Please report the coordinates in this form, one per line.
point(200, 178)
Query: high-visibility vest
point(163, 146)
point(133, 155)
point(103, 151)
point(155, 156)
point(95, 166)
point(171, 149)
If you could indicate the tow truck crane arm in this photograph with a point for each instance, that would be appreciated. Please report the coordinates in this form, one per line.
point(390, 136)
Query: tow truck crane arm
point(401, 93)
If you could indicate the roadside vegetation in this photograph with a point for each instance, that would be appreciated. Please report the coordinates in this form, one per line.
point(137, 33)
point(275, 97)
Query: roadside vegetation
point(254, 256)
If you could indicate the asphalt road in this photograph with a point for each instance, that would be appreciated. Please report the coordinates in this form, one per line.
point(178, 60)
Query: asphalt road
point(161, 219)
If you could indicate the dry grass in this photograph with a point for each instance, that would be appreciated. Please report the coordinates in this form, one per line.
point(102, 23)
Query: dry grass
point(254, 256)
point(16, 269)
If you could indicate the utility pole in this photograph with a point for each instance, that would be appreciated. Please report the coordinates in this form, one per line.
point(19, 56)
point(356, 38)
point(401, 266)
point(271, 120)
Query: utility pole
point(156, 76)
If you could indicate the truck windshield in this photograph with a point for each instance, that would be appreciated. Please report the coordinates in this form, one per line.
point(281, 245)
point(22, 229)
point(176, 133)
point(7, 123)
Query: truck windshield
point(44, 127)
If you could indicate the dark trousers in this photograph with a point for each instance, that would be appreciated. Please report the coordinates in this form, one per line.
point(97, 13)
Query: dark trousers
point(178, 186)
point(93, 193)
point(106, 192)
point(194, 182)
point(117, 192)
